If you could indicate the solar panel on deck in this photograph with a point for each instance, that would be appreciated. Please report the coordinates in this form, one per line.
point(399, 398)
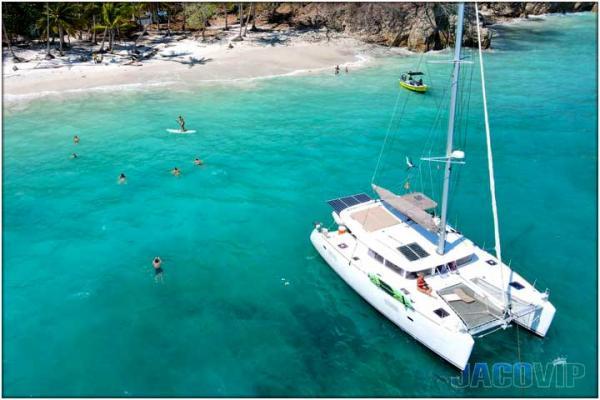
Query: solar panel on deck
point(350, 201)
point(413, 251)
point(337, 205)
point(344, 202)
point(418, 249)
point(363, 198)
point(408, 253)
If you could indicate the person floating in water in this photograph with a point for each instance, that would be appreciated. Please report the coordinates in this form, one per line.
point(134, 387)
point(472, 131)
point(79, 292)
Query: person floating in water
point(181, 123)
point(198, 161)
point(76, 139)
point(156, 263)
point(74, 155)
point(122, 179)
point(175, 171)
point(337, 69)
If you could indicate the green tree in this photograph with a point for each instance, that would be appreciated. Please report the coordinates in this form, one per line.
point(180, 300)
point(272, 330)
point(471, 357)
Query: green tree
point(90, 17)
point(226, 8)
point(20, 18)
point(112, 18)
point(62, 18)
point(197, 15)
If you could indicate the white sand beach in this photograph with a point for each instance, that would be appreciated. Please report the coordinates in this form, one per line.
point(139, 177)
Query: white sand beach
point(183, 61)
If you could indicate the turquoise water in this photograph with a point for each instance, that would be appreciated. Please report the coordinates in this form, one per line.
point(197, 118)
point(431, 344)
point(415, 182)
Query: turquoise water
point(247, 308)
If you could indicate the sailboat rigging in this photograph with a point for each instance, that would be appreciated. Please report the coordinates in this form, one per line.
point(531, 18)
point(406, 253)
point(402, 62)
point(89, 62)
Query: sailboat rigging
point(420, 272)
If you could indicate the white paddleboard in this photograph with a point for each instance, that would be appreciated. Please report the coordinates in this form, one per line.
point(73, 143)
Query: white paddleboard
point(180, 131)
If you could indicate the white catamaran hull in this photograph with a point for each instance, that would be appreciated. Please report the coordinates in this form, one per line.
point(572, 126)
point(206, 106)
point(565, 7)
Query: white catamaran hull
point(454, 347)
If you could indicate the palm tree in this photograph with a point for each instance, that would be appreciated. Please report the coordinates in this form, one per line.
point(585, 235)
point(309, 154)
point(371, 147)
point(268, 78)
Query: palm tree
point(91, 11)
point(48, 55)
point(12, 52)
point(111, 17)
point(225, 12)
point(64, 18)
point(239, 37)
point(248, 20)
point(253, 29)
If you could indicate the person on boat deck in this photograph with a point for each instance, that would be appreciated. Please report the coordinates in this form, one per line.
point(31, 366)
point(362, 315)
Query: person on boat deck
point(198, 161)
point(76, 139)
point(422, 286)
point(421, 82)
point(175, 171)
point(181, 123)
point(122, 179)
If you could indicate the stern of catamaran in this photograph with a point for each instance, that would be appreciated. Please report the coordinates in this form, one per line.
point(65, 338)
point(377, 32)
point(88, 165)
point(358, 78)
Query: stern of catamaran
point(484, 307)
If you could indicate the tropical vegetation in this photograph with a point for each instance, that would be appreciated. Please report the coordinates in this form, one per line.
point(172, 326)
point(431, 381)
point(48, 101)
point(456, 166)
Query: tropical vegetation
point(55, 24)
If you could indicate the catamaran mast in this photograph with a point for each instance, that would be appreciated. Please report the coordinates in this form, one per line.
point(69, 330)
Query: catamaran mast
point(451, 117)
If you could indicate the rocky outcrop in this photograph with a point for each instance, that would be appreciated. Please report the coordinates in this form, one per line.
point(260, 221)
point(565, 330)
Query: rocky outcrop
point(417, 26)
point(501, 12)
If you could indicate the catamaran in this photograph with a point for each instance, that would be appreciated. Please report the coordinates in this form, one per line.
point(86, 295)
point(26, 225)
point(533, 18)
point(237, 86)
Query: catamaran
point(420, 272)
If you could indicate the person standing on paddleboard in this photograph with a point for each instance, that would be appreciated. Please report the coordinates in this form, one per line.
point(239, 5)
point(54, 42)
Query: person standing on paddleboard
point(181, 123)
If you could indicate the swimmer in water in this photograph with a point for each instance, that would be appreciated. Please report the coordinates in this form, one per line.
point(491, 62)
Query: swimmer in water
point(122, 179)
point(198, 161)
point(181, 123)
point(175, 171)
point(74, 155)
point(76, 139)
point(156, 263)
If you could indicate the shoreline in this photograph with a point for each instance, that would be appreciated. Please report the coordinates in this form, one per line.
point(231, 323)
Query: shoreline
point(184, 62)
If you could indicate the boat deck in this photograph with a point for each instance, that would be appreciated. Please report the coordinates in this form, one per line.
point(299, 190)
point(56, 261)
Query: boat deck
point(476, 313)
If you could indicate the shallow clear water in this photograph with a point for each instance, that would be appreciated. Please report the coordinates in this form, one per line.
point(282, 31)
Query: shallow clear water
point(83, 314)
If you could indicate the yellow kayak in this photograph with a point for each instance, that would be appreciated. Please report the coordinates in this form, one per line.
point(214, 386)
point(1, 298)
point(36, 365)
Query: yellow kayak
point(414, 88)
